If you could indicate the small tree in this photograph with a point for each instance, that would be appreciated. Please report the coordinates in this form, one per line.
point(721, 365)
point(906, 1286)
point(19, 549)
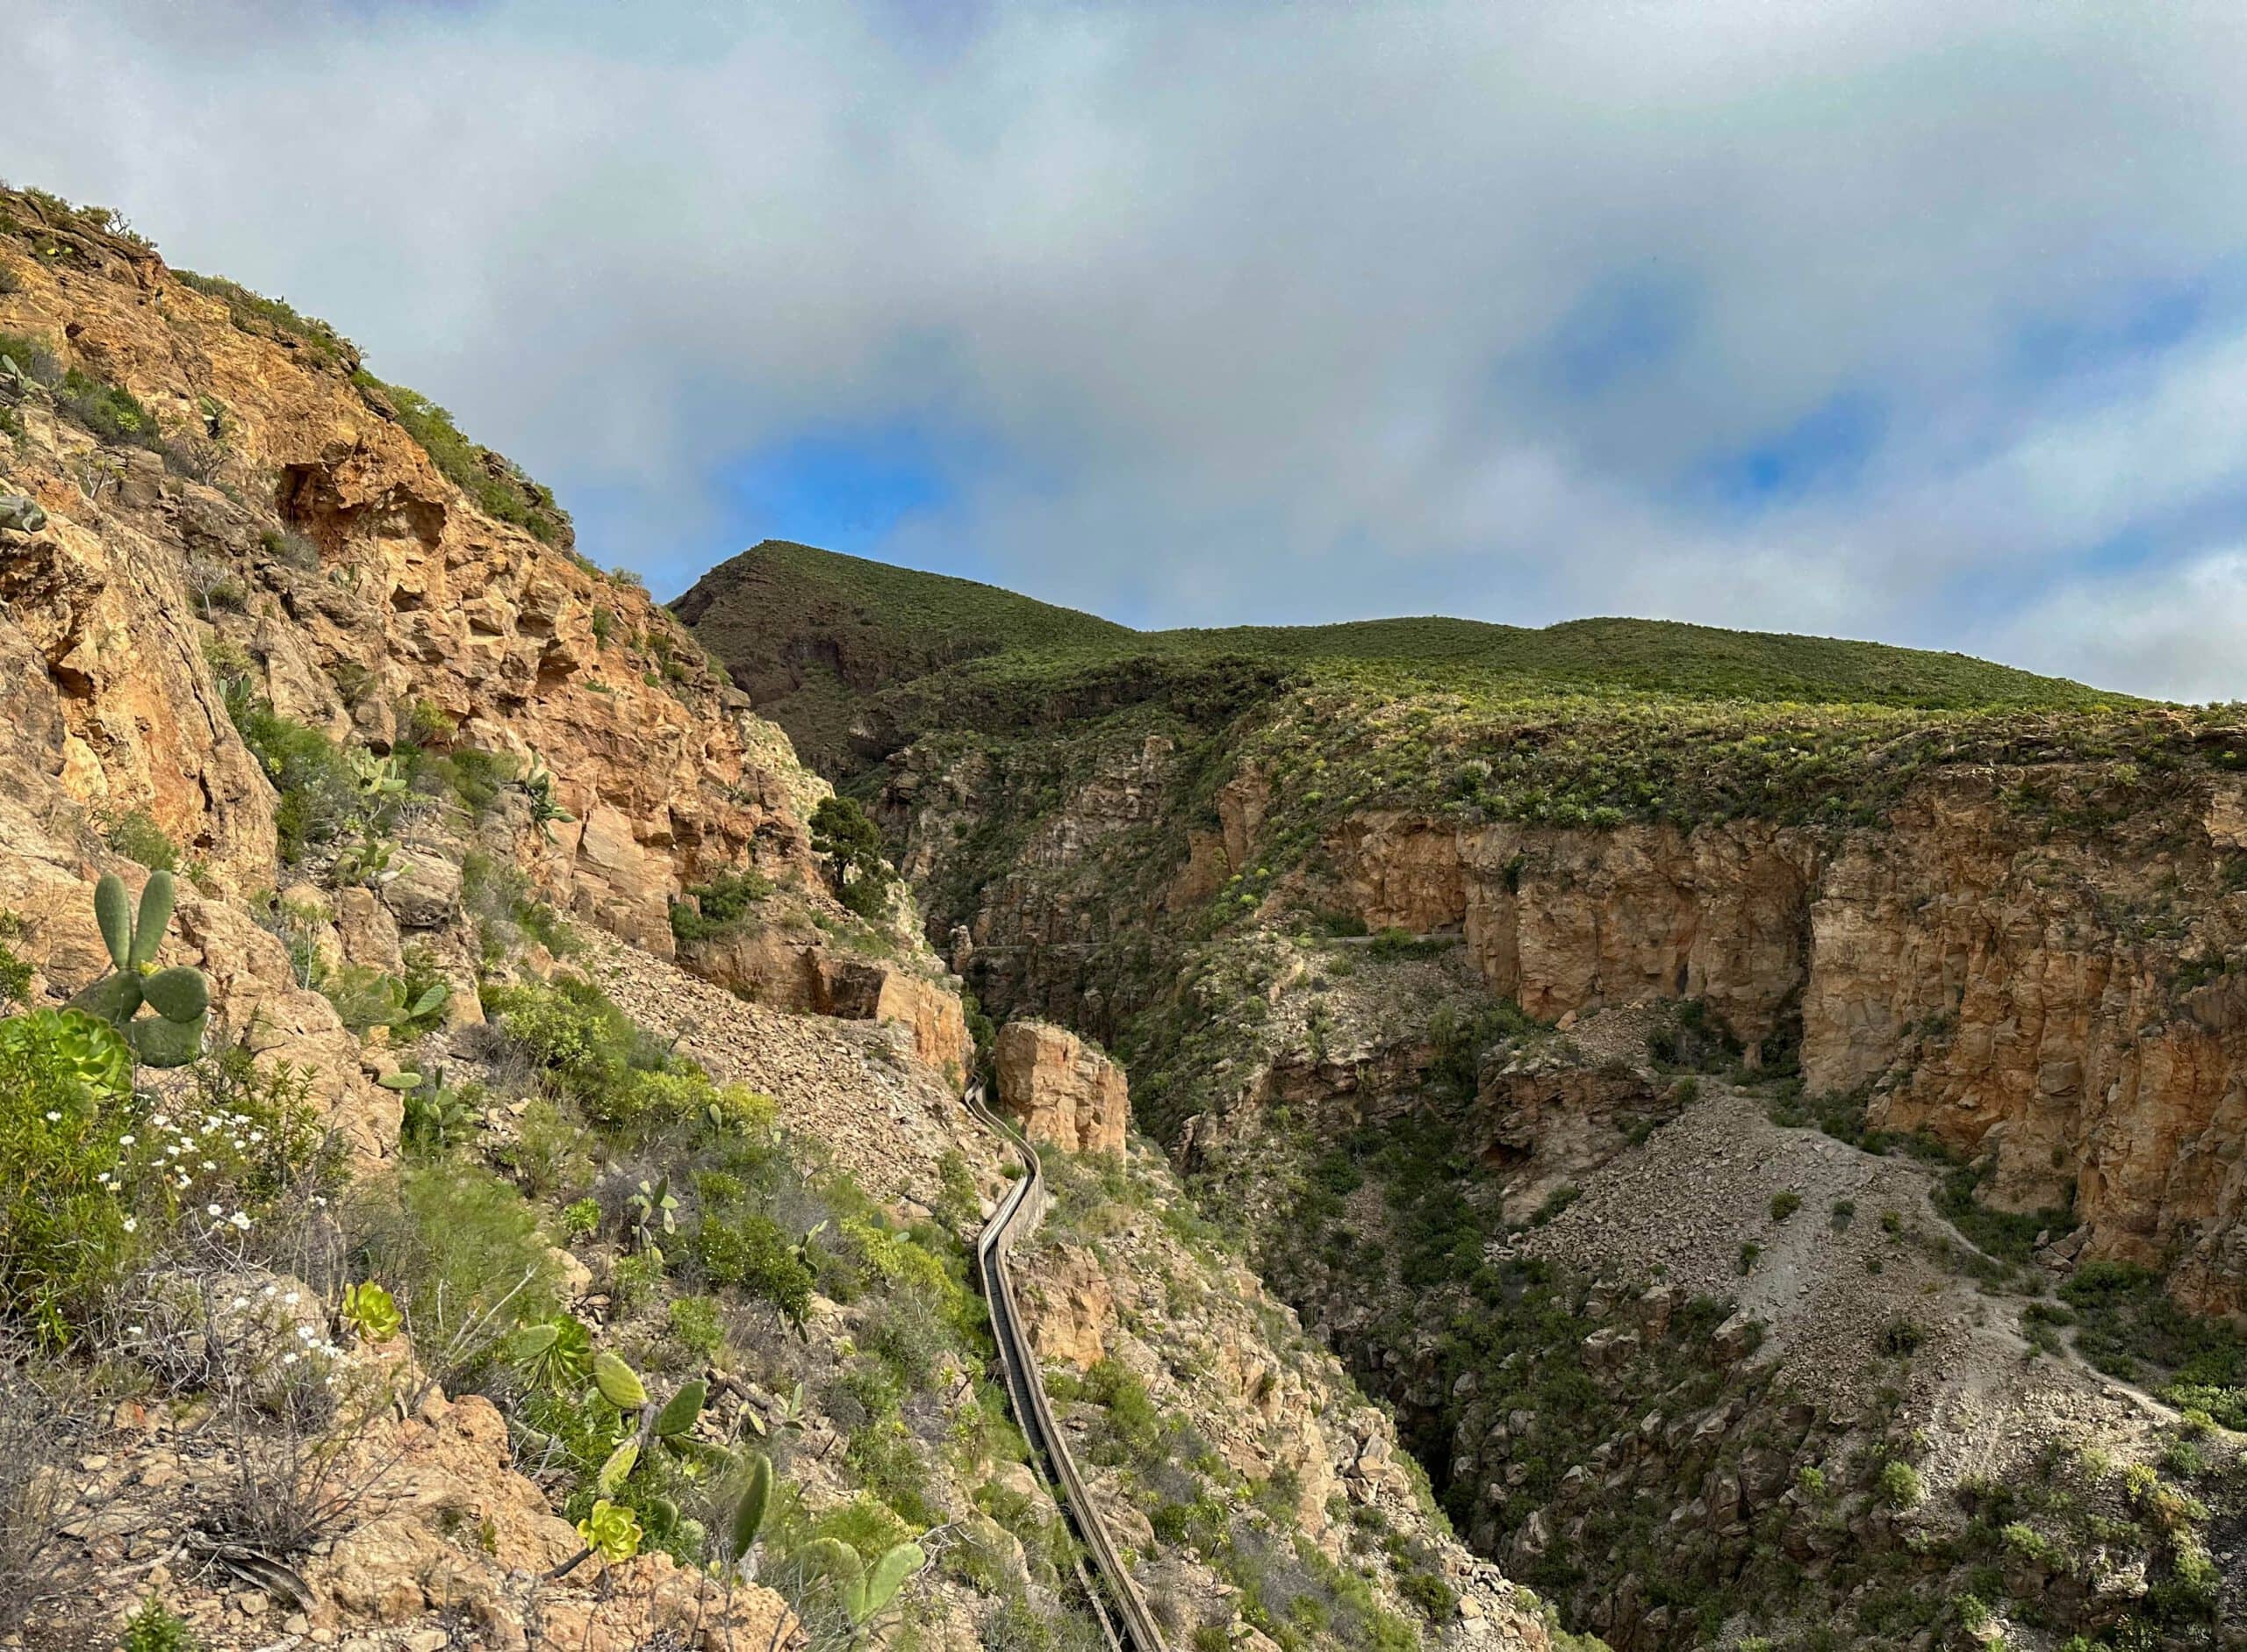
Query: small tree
point(841, 831)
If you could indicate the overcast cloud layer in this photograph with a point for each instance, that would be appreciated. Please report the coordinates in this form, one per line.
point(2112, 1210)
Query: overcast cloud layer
point(1920, 321)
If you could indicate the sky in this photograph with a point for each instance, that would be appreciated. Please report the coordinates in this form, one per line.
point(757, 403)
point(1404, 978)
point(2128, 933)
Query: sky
point(1918, 321)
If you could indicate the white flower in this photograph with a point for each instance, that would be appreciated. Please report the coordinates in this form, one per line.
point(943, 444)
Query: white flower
point(126, 1141)
point(289, 1301)
point(241, 1302)
point(103, 1179)
point(306, 1334)
point(207, 1165)
point(320, 1200)
point(257, 1135)
point(269, 1289)
point(160, 1121)
point(135, 1331)
point(288, 1358)
point(240, 1219)
point(214, 1209)
point(54, 1117)
point(132, 1225)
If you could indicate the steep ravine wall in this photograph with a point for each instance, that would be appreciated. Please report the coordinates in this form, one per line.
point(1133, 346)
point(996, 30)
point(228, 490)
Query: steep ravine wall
point(2047, 987)
point(2008, 992)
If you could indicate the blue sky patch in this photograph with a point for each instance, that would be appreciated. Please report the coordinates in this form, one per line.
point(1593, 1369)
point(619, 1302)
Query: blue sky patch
point(1617, 332)
point(1824, 450)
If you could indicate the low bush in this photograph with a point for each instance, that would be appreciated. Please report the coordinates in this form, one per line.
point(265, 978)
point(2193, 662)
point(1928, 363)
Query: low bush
point(136, 836)
point(461, 1251)
point(1900, 1484)
point(746, 1251)
point(719, 907)
point(2129, 1323)
point(112, 413)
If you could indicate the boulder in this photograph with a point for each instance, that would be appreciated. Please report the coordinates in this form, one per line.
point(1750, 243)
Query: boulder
point(423, 891)
point(1062, 1091)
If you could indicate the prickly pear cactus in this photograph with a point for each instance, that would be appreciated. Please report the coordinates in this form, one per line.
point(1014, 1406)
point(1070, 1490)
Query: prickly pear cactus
point(181, 997)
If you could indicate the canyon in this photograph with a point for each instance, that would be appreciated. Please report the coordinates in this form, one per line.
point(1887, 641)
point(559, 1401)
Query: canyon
point(559, 1041)
point(1621, 1129)
point(1467, 1016)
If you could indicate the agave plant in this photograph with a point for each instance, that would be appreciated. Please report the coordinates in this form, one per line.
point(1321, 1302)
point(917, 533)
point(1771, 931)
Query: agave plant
point(181, 997)
point(556, 1355)
point(91, 1049)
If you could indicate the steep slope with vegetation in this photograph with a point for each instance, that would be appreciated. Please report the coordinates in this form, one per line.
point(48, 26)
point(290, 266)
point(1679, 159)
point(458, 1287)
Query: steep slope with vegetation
point(1442, 962)
point(399, 1247)
point(846, 653)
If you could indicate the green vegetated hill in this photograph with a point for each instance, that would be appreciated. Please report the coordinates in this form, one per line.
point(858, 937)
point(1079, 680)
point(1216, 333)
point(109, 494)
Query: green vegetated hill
point(822, 641)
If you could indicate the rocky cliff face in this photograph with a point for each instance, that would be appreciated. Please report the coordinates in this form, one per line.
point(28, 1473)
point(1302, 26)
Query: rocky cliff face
point(313, 531)
point(1062, 1091)
point(1524, 1077)
point(2063, 1007)
point(272, 530)
point(2018, 959)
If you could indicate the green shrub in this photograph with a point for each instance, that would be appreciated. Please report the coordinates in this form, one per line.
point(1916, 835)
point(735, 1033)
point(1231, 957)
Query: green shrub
point(696, 1327)
point(588, 1051)
point(841, 831)
point(1900, 1484)
point(321, 800)
point(719, 907)
point(748, 1251)
point(38, 361)
point(1902, 1335)
point(15, 971)
point(66, 1229)
point(496, 895)
point(88, 1172)
point(2129, 1321)
point(255, 313)
point(156, 1628)
point(635, 1280)
point(109, 412)
point(136, 836)
point(1786, 1204)
point(461, 1251)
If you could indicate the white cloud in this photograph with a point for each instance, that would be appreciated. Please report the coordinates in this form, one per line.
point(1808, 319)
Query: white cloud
point(1246, 311)
point(2179, 634)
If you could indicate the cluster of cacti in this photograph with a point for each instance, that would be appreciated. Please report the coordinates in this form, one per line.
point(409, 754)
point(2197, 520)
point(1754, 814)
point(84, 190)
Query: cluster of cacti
point(20, 512)
point(364, 862)
point(612, 1530)
point(180, 997)
point(382, 780)
point(652, 1208)
point(436, 1115)
point(863, 1591)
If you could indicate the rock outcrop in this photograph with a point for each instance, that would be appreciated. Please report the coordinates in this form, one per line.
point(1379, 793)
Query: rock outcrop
point(1060, 1090)
point(278, 534)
